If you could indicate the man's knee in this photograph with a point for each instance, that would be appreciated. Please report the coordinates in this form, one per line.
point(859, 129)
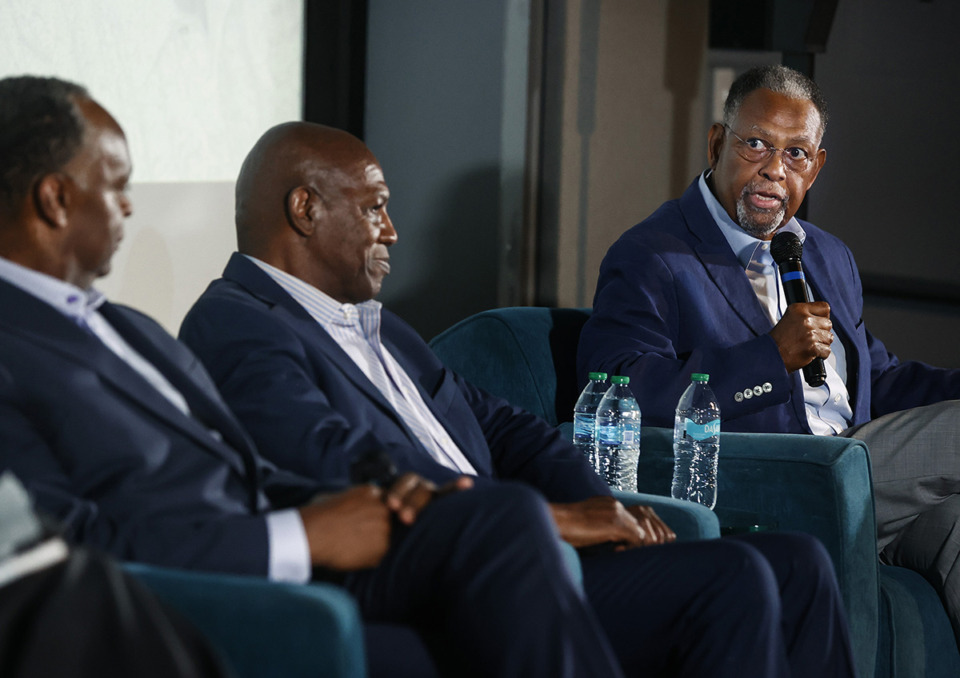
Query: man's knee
point(797, 552)
point(741, 572)
point(801, 565)
point(507, 501)
point(504, 511)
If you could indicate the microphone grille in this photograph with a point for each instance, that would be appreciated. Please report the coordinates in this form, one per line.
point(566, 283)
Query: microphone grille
point(786, 246)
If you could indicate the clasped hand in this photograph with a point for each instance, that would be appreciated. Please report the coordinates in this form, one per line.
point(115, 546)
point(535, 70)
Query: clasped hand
point(350, 530)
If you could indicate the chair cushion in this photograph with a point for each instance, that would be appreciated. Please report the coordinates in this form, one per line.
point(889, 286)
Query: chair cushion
point(523, 352)
point(915, 633)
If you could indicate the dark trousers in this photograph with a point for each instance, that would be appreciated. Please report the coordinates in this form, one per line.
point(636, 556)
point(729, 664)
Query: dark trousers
point(481, 577)
point(757, 605)
point(85, 618)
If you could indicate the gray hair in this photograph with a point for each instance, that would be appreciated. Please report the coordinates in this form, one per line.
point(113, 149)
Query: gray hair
point(778, 79)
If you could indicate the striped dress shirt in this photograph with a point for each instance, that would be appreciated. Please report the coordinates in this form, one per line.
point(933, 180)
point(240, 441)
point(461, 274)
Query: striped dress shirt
point(356, 329)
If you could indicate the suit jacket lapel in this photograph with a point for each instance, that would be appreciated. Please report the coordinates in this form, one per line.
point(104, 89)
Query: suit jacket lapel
point(249, 276)
point(208, 411)
point(721, 263)
point(46, 327)
point(454, 429)
point(820, 275)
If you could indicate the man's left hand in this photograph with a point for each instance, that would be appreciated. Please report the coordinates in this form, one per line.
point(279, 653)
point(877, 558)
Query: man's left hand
point(652, 524)
point(601, 520)
point(410, 494)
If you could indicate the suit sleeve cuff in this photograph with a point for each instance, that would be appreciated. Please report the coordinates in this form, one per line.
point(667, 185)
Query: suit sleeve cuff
point(289, 552)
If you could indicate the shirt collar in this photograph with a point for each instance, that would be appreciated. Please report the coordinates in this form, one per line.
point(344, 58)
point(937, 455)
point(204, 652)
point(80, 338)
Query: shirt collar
point(743, 244)
point(322, 307)
point(63, 296)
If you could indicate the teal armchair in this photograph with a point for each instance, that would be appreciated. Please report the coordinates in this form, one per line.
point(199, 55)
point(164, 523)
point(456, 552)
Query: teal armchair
point(816, 485)
point(264, 628)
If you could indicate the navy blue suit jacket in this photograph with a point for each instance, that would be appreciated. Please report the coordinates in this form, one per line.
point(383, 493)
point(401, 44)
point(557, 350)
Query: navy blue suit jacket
point(310, 409)
point(672, 299)
point(114, 461)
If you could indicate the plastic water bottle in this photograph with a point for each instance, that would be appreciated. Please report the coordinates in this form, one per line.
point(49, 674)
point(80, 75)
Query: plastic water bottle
point(618, 436)
point(585, 415)
point(696, 443)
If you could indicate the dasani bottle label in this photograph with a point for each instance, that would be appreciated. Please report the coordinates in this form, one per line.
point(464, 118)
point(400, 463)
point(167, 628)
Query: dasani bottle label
point(702, 431)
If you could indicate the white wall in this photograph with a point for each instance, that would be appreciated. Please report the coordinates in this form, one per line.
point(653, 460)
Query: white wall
point(194, 83)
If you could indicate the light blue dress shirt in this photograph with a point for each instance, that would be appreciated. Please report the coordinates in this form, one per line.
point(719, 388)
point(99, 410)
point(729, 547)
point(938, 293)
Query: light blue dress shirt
point(827, 406)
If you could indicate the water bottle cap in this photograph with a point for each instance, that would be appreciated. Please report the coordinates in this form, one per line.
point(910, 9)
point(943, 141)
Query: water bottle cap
point(697, 376)
point(595, 376)
point(620, 379)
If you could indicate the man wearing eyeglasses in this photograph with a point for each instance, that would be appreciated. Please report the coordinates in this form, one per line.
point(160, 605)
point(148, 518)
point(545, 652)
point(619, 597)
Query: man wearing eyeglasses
point(694, 288)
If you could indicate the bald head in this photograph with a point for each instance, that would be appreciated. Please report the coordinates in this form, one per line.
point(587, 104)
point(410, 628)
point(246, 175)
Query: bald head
point(311, 200)
point(286, 157)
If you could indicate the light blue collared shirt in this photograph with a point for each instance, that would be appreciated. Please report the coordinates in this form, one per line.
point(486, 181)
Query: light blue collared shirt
point(356, 329)
point(289, 551)
point(827, 406)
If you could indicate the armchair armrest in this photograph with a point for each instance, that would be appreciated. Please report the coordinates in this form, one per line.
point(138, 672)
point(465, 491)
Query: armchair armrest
point(690, 521)
point(814, 484)
point(266, 628)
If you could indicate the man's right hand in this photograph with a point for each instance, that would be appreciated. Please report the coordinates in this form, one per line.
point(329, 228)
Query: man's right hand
point(803, 333)
point(351, 530)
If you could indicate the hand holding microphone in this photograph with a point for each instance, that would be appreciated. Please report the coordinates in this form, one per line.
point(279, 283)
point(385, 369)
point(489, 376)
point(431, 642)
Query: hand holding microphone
point(795, 334)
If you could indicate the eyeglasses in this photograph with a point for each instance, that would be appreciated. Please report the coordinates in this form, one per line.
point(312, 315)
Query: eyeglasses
point(795, 159)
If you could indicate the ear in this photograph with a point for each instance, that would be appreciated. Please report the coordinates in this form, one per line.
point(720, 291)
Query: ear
point(818, 163)
point(52, 197)
point(303, 207)
point(715, 139)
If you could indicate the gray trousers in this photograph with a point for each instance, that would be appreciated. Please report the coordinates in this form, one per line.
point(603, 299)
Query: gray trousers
point(915, 460)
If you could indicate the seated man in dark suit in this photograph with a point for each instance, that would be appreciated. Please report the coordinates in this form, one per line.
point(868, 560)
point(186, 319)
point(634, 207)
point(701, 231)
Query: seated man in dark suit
point(119, 434)
point(302, 352)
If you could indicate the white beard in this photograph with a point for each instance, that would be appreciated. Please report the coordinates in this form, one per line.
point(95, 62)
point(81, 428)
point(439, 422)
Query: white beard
point(757, 229)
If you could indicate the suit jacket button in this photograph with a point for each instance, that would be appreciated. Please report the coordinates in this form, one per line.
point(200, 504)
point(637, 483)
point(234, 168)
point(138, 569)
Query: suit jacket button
point(767, 387)
point(757, 391)
point(748, 393)
point(738, 397)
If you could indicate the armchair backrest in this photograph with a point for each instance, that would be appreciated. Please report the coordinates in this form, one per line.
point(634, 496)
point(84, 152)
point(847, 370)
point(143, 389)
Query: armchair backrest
point(526, 355)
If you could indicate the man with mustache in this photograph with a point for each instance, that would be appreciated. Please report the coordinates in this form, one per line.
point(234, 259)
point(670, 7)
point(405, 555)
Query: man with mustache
point(694, 288)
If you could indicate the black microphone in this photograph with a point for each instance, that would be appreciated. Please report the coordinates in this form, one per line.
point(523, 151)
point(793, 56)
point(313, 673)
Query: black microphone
point(787, 250)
